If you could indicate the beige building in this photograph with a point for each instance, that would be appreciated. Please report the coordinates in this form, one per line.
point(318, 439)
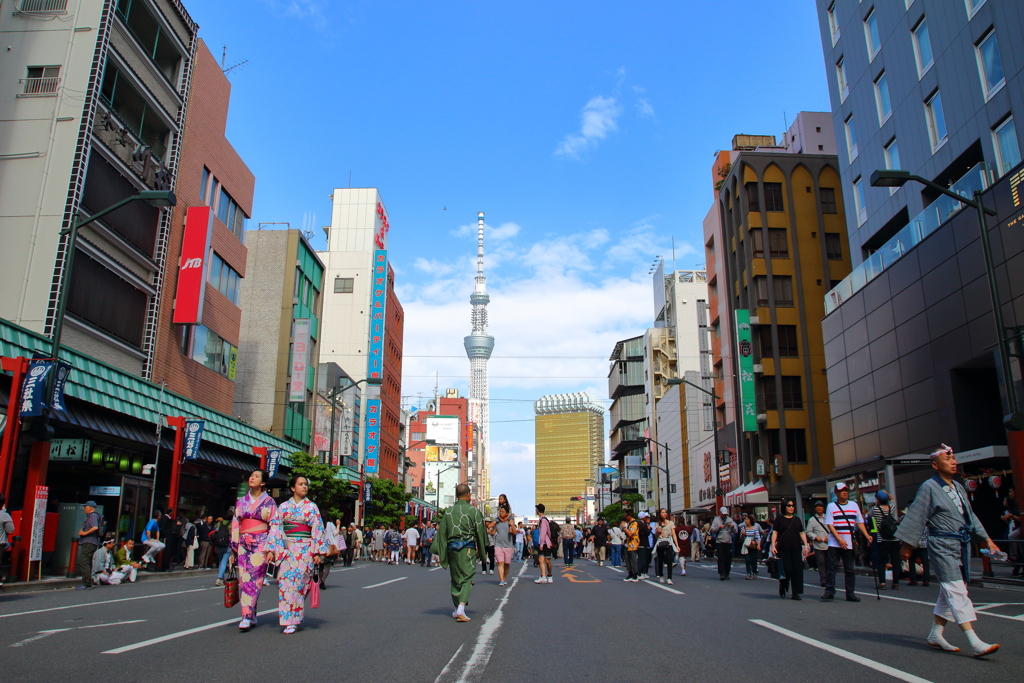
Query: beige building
point(569, 440)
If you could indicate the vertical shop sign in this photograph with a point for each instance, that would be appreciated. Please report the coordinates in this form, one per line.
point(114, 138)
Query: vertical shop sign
point(378, 303)
point(300, 357)
point(372, 460)
point(748, 401)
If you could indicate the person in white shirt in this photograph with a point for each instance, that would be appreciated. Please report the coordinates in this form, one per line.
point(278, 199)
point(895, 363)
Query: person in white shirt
point(412, 540)
point(842, 519)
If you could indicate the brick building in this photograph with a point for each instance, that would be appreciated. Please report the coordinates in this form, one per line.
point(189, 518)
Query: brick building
point(391, 389)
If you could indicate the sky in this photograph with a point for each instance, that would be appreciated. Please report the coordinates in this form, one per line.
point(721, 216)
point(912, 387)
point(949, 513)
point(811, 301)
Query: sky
point(585, 130)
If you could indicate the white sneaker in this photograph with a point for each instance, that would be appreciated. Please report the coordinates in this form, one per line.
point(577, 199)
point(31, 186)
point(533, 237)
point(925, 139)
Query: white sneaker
point(683, 573)
point(670, 582)
point(661, 579)
point(542, 579)
point(550, 580)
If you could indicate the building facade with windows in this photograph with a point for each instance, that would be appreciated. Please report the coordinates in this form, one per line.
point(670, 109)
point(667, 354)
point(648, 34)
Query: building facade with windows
point(569, 448)
point(782, 244)
point(280, 335)
point(94, 106)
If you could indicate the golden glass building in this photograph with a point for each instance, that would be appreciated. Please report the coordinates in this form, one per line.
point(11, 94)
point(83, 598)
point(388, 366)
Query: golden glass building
point(569, 440)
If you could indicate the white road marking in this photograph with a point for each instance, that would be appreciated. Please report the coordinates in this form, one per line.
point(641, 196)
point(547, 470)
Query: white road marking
point(664, 588)
point(978, 608)
point(401, 578)
point(38, 636)
point(50, 631)
point(104, 602)
point(434, 569)
point(179, 634)
point(449, 664)
point(870, 663)
point(473, 668)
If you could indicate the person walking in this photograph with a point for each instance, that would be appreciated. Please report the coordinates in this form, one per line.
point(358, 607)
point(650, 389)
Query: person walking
point(789, 544)
point(884, 522)
point(599, 534)
point(568, 535)
point(750, 547)
point(426, 557)
point(722, 530)
point(460, 538)
point(250, 544)
point(665, 546)
point(221, 541)
point(818, 534)
point(88, 544)
point(412, 541)
point(696, 543)
point(843, 519)
point(645, 551)
point(378, 543)
point(943, 507)
point(190, 542)
point(355, 548)
point(504, 535)
point(520, 543)
point(683, 533)
point(488, 558)
point(205, 530)
point(616, 538)
point(298, 540)
point(632, 547)
point(546, 542)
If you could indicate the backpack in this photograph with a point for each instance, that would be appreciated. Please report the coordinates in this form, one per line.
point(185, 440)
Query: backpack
point(887, 529)
point(555, 531)
point(221, 536)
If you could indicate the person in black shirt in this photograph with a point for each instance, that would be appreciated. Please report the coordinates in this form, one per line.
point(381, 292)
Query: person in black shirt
point(644, 552)
point(169, 535)
point(789, 543)
point(600, 534)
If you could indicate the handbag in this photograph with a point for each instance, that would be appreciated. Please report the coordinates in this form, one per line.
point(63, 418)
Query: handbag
point(772, 563)
point(314, 592)
point(272, 570)
point(230, 588)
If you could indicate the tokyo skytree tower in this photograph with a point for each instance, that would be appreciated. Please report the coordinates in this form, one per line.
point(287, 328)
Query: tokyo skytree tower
point(479, 346)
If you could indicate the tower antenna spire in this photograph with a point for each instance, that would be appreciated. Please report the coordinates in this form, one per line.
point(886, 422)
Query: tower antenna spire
point(479, 346)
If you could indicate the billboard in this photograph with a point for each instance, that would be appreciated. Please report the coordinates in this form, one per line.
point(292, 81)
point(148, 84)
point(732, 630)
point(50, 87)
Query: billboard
point(378, 301)
point(371, 460)
point(748, 400)
point(322, 430)
point(195, 245)
point(300, 361)
point(443, 429)
point(702, 473)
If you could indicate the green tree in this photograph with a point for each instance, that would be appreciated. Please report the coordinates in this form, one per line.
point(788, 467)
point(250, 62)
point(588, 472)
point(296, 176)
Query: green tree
point(325, 488)
point(616, 512)
point(387, 503)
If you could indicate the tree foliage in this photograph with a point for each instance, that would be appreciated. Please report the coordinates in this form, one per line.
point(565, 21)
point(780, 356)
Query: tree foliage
point(387, 503)
point(325, 488)
point(616, 512)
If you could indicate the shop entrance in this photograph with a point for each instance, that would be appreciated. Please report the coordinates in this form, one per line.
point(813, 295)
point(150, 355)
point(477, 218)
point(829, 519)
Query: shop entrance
point(133, 508)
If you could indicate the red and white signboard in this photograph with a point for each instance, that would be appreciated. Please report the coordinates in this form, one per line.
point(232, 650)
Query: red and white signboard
point(300, 360)
point(188, 300)
point(381, 227)
point(35, 546)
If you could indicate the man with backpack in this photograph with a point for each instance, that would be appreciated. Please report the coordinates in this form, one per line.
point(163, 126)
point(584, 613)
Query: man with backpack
point(884, 524)
point(547, 541)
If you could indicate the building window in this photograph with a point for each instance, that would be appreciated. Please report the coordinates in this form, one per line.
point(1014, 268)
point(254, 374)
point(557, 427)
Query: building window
point(752, 203)
point(871, 35)
point(828, 199)
point(225, 279)
point(833, 246)
point(231, 214)
point(151, 36)
point(796, 445)
point(892, 159)
point(851, 138)
point(844, 86)
point(936, 120)
point(833, 25)
point(777, 245)
point(922, 47)
point(1007, 149)
point(972, 7)
point(91, 290)
point(40, 81)
point(882, 98)
point(789, 344)
point(908, 3)
point(858, 201)
point(782, 286)
point(756, 243)
point(344, 285)
point(792, 392)
point(990, 65)
point(203, 186)
point(773, 197)
point(206, 347)
point(129, 106)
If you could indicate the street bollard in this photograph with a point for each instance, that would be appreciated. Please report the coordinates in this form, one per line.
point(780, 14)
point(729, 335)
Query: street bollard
point(73, 560)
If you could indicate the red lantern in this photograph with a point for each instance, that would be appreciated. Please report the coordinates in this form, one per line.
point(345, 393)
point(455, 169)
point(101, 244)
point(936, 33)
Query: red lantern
point(995, 481)
point(971, 485)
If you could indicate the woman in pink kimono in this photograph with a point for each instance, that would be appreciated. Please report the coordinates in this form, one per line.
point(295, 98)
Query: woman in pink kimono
point(299, 542)
point(250, 543)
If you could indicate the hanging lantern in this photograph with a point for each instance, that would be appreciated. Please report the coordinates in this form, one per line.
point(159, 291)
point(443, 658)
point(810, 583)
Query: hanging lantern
point(971, 485)
point(96, 458)
point(995, 481)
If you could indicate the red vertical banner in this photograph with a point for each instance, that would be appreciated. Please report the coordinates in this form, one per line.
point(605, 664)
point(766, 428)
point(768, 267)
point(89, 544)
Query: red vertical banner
point(195, 247)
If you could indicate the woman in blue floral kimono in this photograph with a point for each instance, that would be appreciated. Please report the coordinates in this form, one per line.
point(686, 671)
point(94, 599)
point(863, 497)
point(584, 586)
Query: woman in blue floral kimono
point(299, 542)
point(250, 530)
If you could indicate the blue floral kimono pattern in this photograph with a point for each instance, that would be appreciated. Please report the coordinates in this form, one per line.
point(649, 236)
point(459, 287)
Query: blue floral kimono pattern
point(295, 552)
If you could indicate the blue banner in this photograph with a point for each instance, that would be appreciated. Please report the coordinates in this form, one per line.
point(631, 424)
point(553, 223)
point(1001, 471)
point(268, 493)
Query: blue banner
point(378, 302)
point(371, 459)
point(193, 438)
point(57, 399)
point(33, 388)
point(367, 492)
point(273, 461)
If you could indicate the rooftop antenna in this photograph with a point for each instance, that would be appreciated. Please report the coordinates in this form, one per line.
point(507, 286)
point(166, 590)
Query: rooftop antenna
point(350, 180)
point(223, 62)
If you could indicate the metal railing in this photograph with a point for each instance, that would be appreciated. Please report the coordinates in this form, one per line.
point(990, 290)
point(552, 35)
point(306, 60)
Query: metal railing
point(39, 87)
point(43, 7)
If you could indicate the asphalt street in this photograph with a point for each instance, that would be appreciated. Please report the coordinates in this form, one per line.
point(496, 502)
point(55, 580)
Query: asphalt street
point(379, 622)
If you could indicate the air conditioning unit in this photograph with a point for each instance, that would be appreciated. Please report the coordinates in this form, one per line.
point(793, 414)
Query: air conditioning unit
point(758, 368)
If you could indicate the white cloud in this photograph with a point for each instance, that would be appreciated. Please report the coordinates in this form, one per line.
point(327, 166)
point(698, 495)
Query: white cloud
point(644, 107)
point(505, 231)
point(431, 267)
point(598, 119)
point(512, 473)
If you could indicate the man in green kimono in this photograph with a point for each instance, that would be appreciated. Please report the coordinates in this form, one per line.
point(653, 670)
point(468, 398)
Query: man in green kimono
point(460, 538)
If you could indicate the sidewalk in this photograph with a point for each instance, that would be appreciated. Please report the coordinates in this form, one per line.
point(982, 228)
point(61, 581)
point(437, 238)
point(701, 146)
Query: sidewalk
point(49, 583)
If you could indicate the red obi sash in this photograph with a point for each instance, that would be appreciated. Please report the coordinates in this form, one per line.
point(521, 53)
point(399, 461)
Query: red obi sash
point(253, 526)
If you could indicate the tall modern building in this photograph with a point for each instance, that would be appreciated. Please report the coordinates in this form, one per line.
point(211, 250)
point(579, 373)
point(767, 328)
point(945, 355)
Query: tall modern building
point(479, 346)
point(628, 426)
point(569, 439)
point(913, 346)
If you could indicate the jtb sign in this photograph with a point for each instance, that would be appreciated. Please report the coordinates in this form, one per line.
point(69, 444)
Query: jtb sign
point(188, 298)
point(378, 302)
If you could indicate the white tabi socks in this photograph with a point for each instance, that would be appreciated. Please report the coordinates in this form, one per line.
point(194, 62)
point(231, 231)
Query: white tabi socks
point(935, 639)
point(978, 647)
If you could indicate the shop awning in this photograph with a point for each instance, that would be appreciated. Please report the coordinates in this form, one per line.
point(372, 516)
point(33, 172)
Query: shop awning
point(751, 493)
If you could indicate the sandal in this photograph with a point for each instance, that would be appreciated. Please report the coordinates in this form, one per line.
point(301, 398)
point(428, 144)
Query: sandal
point(288, 630)
point(462, 617)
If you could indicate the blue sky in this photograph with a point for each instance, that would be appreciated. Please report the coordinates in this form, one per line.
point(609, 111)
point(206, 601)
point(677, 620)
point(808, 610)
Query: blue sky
point(585, 131)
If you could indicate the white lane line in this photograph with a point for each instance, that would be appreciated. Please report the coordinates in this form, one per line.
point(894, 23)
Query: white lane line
point(38, 636)
point(870, 663)
point(401, 578)
point(474, 667)
point(664, 588)
point(104, 602)
point(179, 634)
point(113, 623)
point(449, 664)
point(978, 608)
point(434, 569)
point(50, 631)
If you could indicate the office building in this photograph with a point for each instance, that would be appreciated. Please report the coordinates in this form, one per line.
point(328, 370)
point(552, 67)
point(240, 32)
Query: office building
point(280, 335)
point(364, 320)
point(569, 447)
point(440, 443)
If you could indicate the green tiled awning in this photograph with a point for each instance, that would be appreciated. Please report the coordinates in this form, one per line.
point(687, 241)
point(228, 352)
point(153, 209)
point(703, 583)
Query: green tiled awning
point(114, 389)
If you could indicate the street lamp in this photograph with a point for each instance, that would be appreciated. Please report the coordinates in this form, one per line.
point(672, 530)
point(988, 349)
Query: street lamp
point(714, 425)
point(884, 177)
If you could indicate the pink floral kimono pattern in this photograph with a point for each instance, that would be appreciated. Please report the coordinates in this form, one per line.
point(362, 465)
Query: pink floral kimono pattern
point(251, 548)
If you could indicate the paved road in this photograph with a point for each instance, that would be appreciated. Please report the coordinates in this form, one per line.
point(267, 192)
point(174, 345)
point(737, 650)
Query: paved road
point(379, 622)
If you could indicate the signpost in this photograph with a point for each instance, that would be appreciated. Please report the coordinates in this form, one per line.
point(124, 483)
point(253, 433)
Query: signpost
point(35, 547)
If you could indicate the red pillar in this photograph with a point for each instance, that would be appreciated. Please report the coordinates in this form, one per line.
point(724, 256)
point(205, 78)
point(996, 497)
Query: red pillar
point(1015, 441)
point(262, 452)
point(12, 434)
point(39, 460)
point(179, 445)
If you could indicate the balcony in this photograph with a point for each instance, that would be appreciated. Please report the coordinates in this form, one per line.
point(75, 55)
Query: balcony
point(625, 485)
point(43, 7)
point(919, 227)
point(628, 437)
point(625, 375)
point(39, 87)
